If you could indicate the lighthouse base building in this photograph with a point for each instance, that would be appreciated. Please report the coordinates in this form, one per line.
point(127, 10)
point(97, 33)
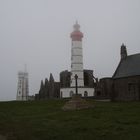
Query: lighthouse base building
point(86, 91)
point(83, 91)
point(77, 69)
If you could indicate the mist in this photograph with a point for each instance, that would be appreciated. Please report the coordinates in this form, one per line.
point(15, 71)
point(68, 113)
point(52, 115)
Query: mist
point(37, 33)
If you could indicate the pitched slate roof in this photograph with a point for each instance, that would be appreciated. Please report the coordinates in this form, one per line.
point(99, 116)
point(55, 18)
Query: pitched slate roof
point(130, 66)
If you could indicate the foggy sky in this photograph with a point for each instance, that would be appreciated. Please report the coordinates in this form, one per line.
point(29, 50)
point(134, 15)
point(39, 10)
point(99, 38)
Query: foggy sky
point(37, 33)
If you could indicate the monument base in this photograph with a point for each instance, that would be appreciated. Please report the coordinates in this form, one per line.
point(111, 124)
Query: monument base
point(76, 103)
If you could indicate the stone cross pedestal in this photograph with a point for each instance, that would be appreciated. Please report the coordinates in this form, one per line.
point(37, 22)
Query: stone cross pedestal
point(76, 102)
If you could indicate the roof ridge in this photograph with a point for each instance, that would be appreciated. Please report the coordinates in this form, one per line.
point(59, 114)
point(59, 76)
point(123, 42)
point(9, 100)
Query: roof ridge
point(133, 54)
point(129, 66)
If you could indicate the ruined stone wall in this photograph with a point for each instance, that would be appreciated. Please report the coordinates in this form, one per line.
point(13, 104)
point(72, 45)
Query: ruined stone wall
point(104, 88)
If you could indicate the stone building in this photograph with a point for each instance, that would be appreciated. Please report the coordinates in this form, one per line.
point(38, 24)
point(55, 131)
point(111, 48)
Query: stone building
point(48, 89)
point(65, 79)
point(124, 85)
point(103, 88)
point(88, 78)
point(126, 79)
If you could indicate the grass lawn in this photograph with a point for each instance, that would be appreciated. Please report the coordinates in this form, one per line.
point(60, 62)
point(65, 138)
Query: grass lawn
point(44, 120)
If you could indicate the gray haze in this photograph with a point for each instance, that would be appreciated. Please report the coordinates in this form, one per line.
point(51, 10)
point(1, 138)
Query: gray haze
point(37, 33)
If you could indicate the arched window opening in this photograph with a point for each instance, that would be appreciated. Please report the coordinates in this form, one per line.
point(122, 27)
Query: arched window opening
point(85, 94)
point(71, 93)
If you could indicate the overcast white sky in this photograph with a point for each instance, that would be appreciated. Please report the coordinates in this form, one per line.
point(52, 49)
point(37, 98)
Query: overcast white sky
point(37, 33)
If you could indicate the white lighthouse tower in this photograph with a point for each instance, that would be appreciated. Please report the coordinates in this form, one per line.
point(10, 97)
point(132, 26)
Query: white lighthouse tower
point(77, 56)
point(23, 88)
point(76, 67)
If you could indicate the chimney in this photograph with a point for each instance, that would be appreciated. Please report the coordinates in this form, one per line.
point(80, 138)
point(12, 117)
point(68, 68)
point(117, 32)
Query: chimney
point(123, 52)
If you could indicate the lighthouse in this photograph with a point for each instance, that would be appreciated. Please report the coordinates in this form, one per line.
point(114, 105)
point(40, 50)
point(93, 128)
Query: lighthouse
point(77, 72)
point(76, 56)
point(23, 87)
